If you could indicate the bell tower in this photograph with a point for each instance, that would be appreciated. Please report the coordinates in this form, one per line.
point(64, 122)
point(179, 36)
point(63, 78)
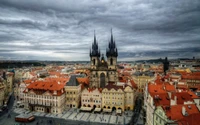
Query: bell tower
point(103, 71)
point(112, 53)
point(94, 54)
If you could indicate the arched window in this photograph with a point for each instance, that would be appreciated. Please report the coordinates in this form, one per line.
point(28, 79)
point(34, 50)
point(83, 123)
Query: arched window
point(102, 80)
point(93, 61)
point(111, 61)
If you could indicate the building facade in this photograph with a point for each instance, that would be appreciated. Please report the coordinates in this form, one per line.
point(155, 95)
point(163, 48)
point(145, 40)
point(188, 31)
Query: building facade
point(48, 97)
point(142, 78)
point(119, 98)
point(91, 99)
point(10, 80)
point(73, 92)
point(2, 93)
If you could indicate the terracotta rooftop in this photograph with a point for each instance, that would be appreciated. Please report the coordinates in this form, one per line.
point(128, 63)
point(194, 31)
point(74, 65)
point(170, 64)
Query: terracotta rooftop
point(83, 80)
point(193, 119)
point(182, 97)
point(154, 88)
point(62, 80)
point(46, 85)
point(169, 87)
point(161, 99)
point(175, 111)
point(113, 86)
point(193, 95)
point(28, 81)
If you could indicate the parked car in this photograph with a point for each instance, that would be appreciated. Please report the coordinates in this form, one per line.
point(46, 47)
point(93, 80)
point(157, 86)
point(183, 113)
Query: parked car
point(24, 118)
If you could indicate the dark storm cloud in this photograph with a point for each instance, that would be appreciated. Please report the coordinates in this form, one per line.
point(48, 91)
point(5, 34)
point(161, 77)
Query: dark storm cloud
point(63, 30)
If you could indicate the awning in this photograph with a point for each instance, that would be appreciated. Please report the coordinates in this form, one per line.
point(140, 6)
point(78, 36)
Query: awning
point(107, 110)
point(119, 111)
point(97, 109)
point(86, 108)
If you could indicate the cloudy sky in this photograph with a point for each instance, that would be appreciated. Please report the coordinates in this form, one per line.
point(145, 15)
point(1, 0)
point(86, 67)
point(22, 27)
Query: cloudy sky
point(64, 29)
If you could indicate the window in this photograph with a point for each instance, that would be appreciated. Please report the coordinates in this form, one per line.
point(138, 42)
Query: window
point(111, 61)
point(93, 61)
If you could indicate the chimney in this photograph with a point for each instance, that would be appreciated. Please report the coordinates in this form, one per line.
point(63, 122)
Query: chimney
point(175, 99)
point(169, 94)
point(184, 112)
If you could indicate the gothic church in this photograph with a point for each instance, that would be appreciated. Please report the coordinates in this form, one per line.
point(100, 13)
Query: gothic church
point(103, 71)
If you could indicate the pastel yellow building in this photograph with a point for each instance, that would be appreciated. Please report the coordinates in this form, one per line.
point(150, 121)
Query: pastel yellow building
point(10, 80)
point(116, 97)
point(91, 99)
point(141, 78)
point(2, 93)
point(73, 92)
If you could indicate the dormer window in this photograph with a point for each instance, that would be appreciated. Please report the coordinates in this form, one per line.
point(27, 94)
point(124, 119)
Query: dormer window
point(55, 92)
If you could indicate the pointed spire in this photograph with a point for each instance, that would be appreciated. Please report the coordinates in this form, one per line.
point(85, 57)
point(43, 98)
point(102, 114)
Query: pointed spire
point(94, 38)
point(111, 36)
point(112, 51)
point(95, 48)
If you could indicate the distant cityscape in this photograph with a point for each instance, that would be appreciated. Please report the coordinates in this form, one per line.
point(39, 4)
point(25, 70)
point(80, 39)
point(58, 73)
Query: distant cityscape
point(101, 91)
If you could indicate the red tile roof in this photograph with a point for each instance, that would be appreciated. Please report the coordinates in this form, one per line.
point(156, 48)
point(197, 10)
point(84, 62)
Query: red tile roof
point(161, 99)
point(193, 119)
point(46, 85)
point(113, 86)
point(28, 81)
point(192, 76)
point(169, 87)
point(193, 95)
point(154, 88)
point(63, 80)
point(182, 97)
point(175, 111)
point(84, 80)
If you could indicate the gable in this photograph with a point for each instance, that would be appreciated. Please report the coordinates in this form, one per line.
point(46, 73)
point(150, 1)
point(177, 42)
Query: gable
point(47, 93)
point(128, 88)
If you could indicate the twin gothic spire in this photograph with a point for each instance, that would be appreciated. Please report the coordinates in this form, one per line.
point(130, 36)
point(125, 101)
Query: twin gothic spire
point(110, 51)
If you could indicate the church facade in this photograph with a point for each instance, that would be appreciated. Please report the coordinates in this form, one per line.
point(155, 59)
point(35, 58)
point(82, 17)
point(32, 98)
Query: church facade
point(102, 70)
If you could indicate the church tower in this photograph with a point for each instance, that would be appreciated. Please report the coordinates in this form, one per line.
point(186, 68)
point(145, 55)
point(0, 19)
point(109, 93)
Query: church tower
point(94, 54)
point(103, 71)
point(112, 53)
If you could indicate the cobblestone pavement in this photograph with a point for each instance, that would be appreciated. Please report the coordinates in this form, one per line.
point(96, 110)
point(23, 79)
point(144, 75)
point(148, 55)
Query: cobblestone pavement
point(69, 117)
